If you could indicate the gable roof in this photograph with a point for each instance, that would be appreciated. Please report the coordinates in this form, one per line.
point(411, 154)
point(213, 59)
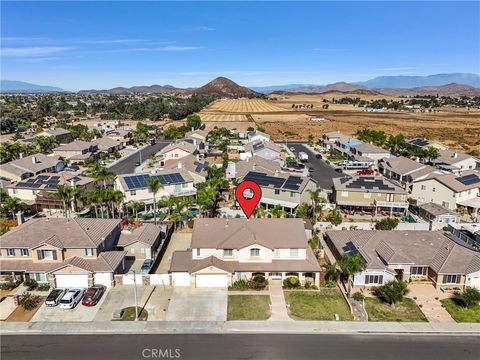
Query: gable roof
point(107, 261)
point(146, 234)
point(51, 181)
point(189, 162)
point(285, 182)
point(30, 164)
point(370, 148)
point(105, 143)
point(139, 181)
point(54, 132)
point(259, 145)
point(361, 183)
point(451, 157)
point(77, 145)
point(69, 233)
point(219, 233)
point(183, 145)
point(454, 181)
point(256, 163)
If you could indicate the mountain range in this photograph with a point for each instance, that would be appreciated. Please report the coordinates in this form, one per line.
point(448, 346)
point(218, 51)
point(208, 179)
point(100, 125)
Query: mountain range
point(442, 84)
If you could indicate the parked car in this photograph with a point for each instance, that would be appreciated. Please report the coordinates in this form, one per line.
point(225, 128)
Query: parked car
point(311, 169)
point(318, 156)
point(54, 297)
point(137, 163)
point(93, 295)
point(339, 170)
point(146, 266)
point(365, 172)
point(292, 149)
point(71, 298)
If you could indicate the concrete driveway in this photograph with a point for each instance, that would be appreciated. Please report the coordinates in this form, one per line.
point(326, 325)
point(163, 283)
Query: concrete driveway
point(79, 313)
point(198, 305)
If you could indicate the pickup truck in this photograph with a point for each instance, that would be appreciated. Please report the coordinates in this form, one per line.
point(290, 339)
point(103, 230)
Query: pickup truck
point(302, 156)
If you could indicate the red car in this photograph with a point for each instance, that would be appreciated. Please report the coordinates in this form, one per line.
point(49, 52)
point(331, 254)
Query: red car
point(93, 295)
point(365, 172)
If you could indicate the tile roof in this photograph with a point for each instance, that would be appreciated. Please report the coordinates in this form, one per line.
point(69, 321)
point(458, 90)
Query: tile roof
point(258, 145)
point(27, 165)
point(436, 209)
point(453, 182)
point(55, 132)
point(360, 183)
point(70, 233)
point(422, 248)
point(451, 157)
point(146, 234)
point(183, 172)
point(189, 162)
point(77, 145)
point(183, 145)
point(105, 143)
point(41, 181)
point(256, 163)
point(370, 148)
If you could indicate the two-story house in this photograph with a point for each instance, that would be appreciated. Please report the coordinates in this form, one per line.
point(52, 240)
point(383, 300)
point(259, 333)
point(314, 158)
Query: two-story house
point(284, 190)
point(369, 195)
point(176, 182)
point(369, 151)
point(253, 136)
point(63, 252)
point(408, 255)
point(61, 135)
point(107, 145)
point(195, 166)
point(267, 150)
point(226, 250)
point(77, 150)
point(455, 161)
point(449, 190)
point(178, 150)
point(25, 167)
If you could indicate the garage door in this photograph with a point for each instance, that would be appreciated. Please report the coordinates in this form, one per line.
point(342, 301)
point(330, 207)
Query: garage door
point(181, 279)
point(211, 281)
point(72, 281)
point(102, 279)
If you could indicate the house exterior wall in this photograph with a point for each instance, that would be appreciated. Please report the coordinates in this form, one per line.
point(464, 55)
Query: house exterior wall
point(243, 255)
point(375, 155)
point(267, 154)
point(359, 278)
point(139, 250)
point(366, 199)
point(289, 196)
point(144, 195)
point(466, 164)
point(68, 253)
point(175, 154)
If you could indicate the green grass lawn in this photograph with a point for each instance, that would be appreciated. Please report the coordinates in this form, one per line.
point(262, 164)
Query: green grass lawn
point(405, 311)
point(314, 305)
point(248, 307)
point(460, 313)
point(129, 314)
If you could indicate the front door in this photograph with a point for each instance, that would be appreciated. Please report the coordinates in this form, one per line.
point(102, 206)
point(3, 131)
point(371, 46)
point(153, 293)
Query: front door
point(399, 275)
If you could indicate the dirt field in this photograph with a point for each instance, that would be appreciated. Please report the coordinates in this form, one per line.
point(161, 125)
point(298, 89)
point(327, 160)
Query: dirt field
point(20, 314)
point(458, 128)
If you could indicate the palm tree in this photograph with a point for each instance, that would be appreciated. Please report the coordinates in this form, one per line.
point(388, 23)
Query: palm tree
point(64, 193)
point(100, 173)
point(135, 206)
point(315, 198)
point(351, 265)
point(117, 198)
point(154, 186)
point(278, 212)
point(259, 212)
point(12, 205)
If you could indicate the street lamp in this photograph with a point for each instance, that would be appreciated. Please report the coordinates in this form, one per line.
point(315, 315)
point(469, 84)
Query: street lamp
point(135, 294)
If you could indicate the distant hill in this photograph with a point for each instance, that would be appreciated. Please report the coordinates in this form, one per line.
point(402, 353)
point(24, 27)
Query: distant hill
point(24, 87)
point(154, 89)
point(223, 87)
point(407, 82)
point(274, 88)
point(454, 90)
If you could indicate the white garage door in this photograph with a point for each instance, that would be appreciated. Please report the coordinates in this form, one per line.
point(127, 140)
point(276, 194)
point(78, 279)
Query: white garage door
point(475, 282)
point(211, 280)
point(181, 279)
point(102, 279)
point(71, 281)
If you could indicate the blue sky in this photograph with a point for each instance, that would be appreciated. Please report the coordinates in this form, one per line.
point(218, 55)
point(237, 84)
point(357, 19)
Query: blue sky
point(102, 45)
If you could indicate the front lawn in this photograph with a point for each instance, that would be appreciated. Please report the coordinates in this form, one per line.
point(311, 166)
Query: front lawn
point(129, 314)
point(405, 311)
point(248, 307)
point(313, 305)
point(460, 313)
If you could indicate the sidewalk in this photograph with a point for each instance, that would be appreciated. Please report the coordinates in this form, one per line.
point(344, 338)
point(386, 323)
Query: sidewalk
point(279, 307)
point(230, 327)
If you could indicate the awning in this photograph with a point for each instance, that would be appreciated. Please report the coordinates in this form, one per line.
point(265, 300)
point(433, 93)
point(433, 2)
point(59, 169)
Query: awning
point(274, 202)
point(473, 203)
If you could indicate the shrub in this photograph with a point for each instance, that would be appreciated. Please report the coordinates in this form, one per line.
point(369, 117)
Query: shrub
point(29, 301)
point(258, 282)
point(43, 287)
point(291, 282)
point(470, 296)
point(308, 285)
point(240, 285)
point(9, 285)
point(386, 224)
point(358, 296)
point(31, 284)
point(328, 283)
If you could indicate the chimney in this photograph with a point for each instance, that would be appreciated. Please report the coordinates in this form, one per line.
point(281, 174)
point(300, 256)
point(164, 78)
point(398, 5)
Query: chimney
point(34, 159)
point(20, 218)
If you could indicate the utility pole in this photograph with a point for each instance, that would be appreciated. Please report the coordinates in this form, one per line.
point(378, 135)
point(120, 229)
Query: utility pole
point(135, 294)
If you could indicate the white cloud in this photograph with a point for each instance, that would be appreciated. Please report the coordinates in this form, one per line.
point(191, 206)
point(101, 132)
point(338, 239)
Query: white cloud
point(32, 51)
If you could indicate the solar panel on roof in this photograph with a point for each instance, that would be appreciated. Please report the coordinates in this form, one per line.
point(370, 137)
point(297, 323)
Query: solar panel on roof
point(264, 180)
point(293, 183)
point(419, 142)
point(469, 179)
point(42, 177)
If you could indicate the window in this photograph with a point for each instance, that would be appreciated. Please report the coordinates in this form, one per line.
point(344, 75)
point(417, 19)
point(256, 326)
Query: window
point(40, 277)
point(198, 252)
point(254, 252)
point(277, 192)
point(184, 185)
point(344, 193)
point(433, 189)
point(418, 270)
point(11, 252)
point(292, 194)
point(34, 192)
point(445, 204)
point(373, 279)
point(24, 252)
point(423, 187)
point(15, 191)
point(451, 279)
point(47, 254)
point(293, 252)
point(178, 187)
point(133, 192)
point(227, 252)
point(367, 195)
point(89, 252)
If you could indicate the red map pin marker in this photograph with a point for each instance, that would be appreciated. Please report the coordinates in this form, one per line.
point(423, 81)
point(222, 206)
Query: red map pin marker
point(248, 204)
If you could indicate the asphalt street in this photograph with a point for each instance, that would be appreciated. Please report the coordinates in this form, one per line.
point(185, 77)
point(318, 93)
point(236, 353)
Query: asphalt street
point(127, 165)
point(240, 346)
point(323, 173)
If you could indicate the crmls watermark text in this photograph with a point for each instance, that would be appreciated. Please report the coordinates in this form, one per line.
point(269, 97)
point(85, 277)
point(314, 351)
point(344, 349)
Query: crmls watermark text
point(161, 353)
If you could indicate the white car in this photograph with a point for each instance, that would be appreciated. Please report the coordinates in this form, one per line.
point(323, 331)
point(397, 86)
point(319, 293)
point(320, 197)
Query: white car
point(71, 298)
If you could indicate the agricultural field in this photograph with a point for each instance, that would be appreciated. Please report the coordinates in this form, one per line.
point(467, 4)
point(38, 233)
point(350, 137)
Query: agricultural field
point(457, 128)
